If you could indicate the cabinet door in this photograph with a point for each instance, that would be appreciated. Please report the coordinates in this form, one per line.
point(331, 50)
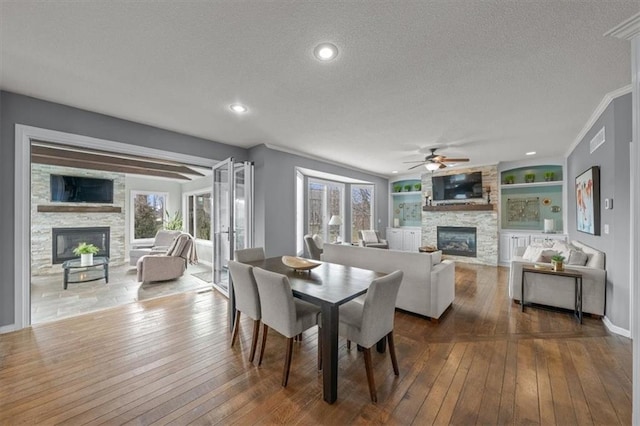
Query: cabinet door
point(518, 241)
point(394, 238)
point(504, 249)
point(411, 240)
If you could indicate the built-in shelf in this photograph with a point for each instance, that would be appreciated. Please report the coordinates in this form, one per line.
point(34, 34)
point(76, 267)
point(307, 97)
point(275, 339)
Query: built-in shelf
point(407, 193)
point(78, 209)
point(458, 207)
point(532, 184)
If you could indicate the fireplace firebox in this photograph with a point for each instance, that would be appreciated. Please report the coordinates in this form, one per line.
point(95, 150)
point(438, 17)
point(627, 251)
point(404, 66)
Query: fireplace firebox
point(457, 240)
point(66, 239)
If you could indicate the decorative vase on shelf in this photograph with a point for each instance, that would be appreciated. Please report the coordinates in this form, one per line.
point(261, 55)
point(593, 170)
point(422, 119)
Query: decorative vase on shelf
point(86, 259)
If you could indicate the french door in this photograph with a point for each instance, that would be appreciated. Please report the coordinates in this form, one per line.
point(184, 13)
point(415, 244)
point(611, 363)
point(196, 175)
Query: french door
point(232, 218)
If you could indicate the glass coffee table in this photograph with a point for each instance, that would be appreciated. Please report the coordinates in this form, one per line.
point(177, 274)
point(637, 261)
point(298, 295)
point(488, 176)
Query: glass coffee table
point(75, 272)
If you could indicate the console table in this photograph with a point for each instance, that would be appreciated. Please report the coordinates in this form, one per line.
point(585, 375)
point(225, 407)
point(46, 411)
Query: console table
point(577, 286)
point(75, 272)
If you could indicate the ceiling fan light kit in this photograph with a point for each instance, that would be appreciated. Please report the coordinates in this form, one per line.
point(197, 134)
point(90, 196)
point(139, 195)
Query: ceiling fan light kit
point(433, 162)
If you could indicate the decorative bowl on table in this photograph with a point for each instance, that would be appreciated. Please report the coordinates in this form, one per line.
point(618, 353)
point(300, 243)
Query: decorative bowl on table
point(299, 263)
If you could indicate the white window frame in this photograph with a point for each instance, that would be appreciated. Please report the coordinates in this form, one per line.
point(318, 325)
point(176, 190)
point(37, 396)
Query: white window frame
point(185, 212)
point(326, 216)
point(373, 205)
point(132, 213)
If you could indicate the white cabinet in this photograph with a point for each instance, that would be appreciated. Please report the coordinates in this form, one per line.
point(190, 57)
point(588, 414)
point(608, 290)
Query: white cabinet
point(406, 239)
point(508, 243)
point(394, 238)
point(510, 240)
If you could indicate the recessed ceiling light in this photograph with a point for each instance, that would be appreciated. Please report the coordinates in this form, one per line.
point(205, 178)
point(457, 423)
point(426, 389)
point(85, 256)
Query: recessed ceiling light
point(394, 172)
point(325, 51)
point(531, 153)
point(239, 108)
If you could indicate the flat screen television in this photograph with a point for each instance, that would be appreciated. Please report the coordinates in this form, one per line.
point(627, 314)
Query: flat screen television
point(462, 186)
point(77, 189)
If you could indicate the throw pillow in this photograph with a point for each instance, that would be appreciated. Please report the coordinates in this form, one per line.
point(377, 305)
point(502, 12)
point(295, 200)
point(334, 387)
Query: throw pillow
point(318, 240)
point(436, 257)
point(545, 256)
point(532, 253)
point(577, 257)
point(563, 248)
point(369, 237)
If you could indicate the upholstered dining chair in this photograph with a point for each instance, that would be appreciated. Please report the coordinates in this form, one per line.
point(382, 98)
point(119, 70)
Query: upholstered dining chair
point(367, 323)
point(247, 301)
point(283, 313)
point(312, 247)
point(249, 254)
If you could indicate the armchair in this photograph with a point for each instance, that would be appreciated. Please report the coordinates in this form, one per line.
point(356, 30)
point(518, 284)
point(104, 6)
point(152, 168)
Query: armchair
point(371, 238)
point(169, 265)
point(313, 249)
point(161, 243)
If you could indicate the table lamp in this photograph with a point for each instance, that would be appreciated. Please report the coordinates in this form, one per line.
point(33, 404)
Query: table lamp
point(336, 220)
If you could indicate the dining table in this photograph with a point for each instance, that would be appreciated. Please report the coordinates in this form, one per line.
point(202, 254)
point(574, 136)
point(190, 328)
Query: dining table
point(328, 286)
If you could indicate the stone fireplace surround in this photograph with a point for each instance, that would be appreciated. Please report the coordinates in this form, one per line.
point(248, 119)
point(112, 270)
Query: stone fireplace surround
point(42, 223)
point(485, 221)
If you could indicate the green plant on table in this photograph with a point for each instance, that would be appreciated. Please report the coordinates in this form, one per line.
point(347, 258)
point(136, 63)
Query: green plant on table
point(557, 258)
point(407, 188)
point(84, 248)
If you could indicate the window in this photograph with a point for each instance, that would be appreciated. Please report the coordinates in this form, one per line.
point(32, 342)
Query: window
point(148, 213)
point(361, 209)
point(199, 215)
point(325, 200)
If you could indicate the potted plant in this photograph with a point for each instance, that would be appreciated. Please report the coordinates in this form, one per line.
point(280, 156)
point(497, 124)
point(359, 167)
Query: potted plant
point(397, 188)
point(530, 177)
point(417, 186)
point(173, 223)
point(86, 252)
point(407, 188)
point(509, 179)
point(549, 176)
point(556, 262)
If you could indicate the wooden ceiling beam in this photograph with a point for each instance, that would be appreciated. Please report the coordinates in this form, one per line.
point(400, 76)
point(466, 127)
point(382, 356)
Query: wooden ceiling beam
point(84, 164)
point(46, 151)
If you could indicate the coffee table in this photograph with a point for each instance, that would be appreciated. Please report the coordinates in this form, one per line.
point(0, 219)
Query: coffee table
point(75, 272)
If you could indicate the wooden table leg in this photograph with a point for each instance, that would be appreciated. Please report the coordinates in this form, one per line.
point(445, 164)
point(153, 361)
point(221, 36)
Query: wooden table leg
point(330, 352)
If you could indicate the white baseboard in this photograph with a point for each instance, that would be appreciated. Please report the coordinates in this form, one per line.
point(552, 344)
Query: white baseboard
point(8, 328)
point(615, 329)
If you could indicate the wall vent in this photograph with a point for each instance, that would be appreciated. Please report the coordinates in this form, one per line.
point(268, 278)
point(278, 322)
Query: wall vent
point(597, 140)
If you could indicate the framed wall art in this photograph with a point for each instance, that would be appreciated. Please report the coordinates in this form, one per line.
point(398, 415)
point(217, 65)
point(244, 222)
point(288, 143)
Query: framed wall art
point(588, 201)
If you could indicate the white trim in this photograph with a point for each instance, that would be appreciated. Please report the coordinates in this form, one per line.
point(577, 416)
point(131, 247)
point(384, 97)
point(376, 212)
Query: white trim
point(606, 100)
point(8, 328)
point(614, 328)
point(22, 199)
point(627, 29)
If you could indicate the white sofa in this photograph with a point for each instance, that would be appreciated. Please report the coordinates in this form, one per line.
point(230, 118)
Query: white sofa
point(426, 289)
point(558, 291)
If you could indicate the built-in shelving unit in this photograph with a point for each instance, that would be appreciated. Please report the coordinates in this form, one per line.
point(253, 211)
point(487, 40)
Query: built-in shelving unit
point(530, 185)
point(406, 202)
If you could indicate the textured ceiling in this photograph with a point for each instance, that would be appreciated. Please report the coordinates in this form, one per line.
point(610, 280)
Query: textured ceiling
point(488, 79)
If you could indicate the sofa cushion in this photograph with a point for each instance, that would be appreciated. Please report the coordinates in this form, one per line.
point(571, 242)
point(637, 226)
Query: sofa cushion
point(577, 257)
point(436, 257)
point(369, 237)
point(318, 240)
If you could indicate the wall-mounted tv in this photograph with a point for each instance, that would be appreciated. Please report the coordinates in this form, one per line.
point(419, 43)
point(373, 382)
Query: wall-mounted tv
point(77, 189)
point(462, 186)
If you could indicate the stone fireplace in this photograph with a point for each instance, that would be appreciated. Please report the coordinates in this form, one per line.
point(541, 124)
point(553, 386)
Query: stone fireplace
point(66, 239)
point(457, 240)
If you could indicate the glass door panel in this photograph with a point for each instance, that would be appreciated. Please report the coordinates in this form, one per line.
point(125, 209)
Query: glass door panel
point(222, 219)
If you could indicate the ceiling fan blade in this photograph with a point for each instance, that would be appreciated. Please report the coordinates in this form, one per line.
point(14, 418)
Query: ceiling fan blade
point(443, 166)
point(419, 161)
point(417, 165)
point(454, 160)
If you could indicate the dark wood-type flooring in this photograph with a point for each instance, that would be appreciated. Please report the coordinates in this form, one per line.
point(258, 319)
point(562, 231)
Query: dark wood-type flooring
point(168, 361)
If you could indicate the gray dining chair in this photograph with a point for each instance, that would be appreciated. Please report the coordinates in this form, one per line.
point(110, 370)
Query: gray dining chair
point(367, 323)
point(249, 254)
point(283, 313)
point(247, 301)
point(312, 248)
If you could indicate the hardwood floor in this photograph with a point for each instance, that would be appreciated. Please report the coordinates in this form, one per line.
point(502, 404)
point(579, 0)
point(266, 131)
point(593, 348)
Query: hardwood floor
point(168, 360)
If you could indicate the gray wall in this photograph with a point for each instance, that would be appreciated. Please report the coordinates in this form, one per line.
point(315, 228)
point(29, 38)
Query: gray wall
point(275, 183)
point(18, 109)
point(613, 159)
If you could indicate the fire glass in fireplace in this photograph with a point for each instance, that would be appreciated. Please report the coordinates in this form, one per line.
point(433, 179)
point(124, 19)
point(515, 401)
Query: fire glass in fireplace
point(66, 239)
point(457, 240)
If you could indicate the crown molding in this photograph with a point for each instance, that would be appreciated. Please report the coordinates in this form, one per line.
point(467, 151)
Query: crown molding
point(627, 29)
point(606, 100)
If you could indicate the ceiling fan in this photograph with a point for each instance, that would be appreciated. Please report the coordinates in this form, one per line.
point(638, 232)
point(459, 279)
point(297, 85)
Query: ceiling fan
point(434, 162)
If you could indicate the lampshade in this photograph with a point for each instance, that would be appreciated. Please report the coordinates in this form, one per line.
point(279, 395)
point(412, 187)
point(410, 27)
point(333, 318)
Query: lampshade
point(335, 220)
point(432, 166)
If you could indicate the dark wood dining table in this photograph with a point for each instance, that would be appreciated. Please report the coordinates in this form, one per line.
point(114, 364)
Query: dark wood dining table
point(327, 286)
